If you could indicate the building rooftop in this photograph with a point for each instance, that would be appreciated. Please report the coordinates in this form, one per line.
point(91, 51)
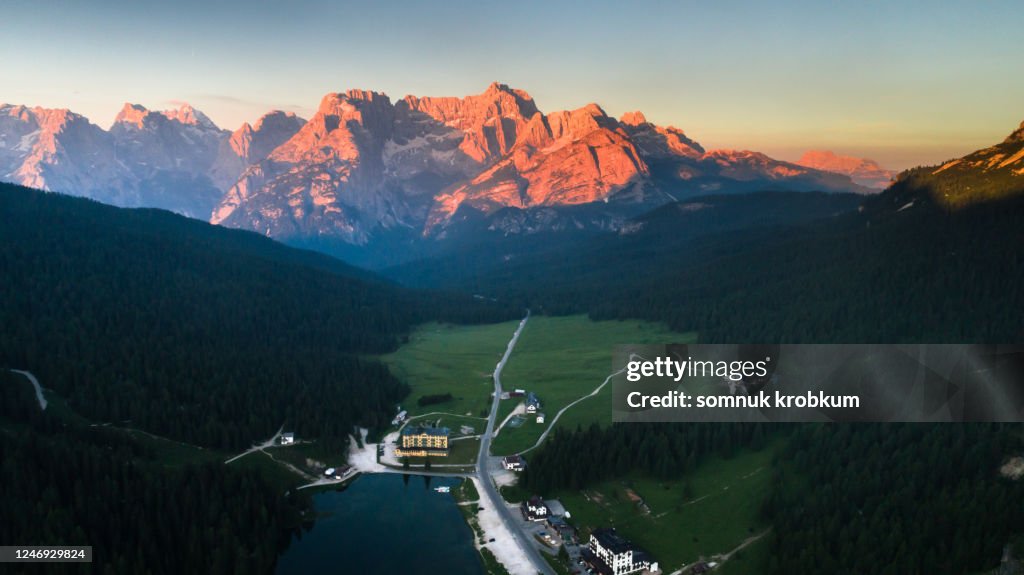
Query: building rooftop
point(595, 562)
point(419, 430)
point(555, 506)
point(608, 538)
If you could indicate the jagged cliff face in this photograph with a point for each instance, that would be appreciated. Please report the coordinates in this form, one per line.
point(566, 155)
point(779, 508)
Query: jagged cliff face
point(173, 156)
point(250, 144)
point(361, 164)
point(491, 123)
point(174, 159)
point(565, 158)
point(364, 166)
point(60, 150)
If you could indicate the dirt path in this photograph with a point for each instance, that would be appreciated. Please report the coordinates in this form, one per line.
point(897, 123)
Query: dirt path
point(554, 420)
point(258, 447)
point(291, 467)
point(519, 410)
point(747, 541)
point(35, 383)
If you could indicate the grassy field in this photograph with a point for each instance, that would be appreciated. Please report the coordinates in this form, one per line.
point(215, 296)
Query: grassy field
point(441, 359)
point(562, 359)
point(751, 560)
point(453, 422)
point(311, 458)
point(711, 511)
point(273, 471)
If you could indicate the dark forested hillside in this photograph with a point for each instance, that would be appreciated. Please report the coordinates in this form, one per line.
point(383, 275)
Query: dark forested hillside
point(666, 451)
point(569, 263)
point(894, 499)
point(922, 274)
point(72, 484)
point(914, 276)
point(211, 336)
point(845, 498)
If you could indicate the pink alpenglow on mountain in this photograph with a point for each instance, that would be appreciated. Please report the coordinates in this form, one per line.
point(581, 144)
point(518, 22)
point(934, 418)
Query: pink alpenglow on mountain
point(58, 150)
point(864, 172)
point(367, 167)
point(492, 121)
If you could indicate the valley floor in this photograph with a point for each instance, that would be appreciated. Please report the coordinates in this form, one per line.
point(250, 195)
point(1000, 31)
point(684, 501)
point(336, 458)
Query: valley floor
point(709, 515)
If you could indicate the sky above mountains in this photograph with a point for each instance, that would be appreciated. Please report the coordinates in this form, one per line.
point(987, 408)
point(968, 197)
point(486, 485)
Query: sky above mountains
point(903, 83)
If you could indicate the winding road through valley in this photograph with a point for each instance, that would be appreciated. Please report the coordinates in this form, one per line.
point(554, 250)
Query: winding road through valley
point(486, 465)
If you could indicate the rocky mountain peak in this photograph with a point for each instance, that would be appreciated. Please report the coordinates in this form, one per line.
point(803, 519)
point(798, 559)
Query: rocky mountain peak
point(277, 119)
point(137, 116)
point(365, 167)
point(635, 118)
point(189, 116)
point(336, 102)
point(134, 114)
point(492, 121)
point(21, 113)
point(252, 143)
point(497, 88)
point(594, 110)
point(577, 123)
point(1016, 136)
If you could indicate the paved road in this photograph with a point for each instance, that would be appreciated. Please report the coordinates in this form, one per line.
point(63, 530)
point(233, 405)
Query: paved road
point(485, 464)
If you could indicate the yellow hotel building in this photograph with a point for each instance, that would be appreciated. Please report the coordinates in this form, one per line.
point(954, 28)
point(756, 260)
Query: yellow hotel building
point(419, 441)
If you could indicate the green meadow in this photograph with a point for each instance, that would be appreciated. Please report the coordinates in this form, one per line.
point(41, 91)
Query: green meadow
point(459, 360)
point(709, 512)
point(562, 359)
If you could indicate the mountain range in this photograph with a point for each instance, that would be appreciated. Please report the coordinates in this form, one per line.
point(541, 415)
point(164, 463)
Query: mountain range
point(364, 167)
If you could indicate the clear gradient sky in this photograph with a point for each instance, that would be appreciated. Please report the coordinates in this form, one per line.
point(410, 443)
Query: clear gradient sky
point(901, 82)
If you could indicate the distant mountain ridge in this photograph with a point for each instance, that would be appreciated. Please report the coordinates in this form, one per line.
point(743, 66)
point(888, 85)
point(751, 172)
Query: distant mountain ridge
point(991, 173)
point(365, 167)
point(175, 159)
point(861, 170)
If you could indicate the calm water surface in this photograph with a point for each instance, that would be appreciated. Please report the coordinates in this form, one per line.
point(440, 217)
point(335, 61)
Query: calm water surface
point(385, 523)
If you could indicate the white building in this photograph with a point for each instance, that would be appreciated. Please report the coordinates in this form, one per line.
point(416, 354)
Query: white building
point(534, 509)
point(513, 462)
point(287, 438)
point(540, 418)
point(617, 555)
